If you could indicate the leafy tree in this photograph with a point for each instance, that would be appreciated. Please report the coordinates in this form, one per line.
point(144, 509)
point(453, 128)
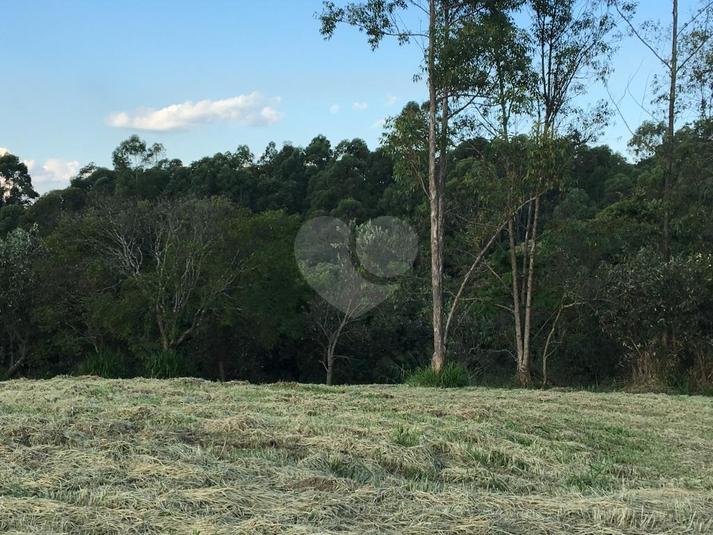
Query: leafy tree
point(15, 182)
point(571, 45)
point(448, 67)
point(17, 251)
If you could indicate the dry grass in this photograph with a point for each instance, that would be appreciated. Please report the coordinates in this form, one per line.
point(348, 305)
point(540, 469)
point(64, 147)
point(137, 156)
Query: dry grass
point(186, 456)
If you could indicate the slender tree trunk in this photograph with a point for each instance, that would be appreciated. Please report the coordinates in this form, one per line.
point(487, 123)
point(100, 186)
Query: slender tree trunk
point(435, 194)
point(670, 132)
point(442, 172)
point(516, 312)
point(546, 349)
point(670, 153)
point(165, 344)
point(524, 373)
point(332, 347)
point(330, 365)
point(525, 255)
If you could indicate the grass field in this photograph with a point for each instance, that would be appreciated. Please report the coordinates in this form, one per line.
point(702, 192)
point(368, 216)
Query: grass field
point(88, 455)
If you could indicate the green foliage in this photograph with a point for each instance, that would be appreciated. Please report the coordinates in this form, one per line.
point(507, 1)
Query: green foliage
point(105, 262)
point(660, 312)
point(451, 376)
point(15, 182)
point(10, 217)
point(18, 251)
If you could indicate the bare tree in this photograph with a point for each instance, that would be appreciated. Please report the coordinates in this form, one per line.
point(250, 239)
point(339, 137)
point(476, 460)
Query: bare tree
point(179, 257)
point(331, 325)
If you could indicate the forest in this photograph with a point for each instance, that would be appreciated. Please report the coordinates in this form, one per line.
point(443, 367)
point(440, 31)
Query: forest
point(544, 258)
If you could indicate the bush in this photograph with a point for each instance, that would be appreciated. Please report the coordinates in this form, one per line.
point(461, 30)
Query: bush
point(451, 376)
point(107, 364)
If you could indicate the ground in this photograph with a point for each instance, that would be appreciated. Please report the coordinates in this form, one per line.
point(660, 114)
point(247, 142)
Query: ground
point(87, 455)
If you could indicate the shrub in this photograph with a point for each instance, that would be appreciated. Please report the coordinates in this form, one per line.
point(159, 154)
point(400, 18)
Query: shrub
point(451, 376)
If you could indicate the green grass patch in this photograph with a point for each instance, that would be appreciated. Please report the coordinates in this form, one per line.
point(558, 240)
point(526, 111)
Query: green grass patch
point(451, 376)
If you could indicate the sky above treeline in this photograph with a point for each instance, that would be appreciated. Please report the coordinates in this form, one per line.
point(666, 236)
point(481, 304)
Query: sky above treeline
point(80, 76)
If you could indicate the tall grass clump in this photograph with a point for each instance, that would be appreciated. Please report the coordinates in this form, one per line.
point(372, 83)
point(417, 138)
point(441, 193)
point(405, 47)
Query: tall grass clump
point(107, 364)
point(451, 376)
point(166, 364)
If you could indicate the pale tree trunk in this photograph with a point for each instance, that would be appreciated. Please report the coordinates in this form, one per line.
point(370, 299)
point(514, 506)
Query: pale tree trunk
point(330, 366)
point(442, 171)
point(517, 313)
point(525, 254)
point(330, 356)
point(522, 296)
point(523, 372)
point(435, 200)
point(546, 349)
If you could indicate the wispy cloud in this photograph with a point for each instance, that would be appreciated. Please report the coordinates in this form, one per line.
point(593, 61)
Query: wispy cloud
point(335, 109)
point(360, 106)
point(379, 124)
point(252, 109)
point(391, 100)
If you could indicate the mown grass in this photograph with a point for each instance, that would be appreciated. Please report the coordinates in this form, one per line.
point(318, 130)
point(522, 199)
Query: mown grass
point(85, 455)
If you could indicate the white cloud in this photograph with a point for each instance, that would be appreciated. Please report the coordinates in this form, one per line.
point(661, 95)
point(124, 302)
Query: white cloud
point(360, 106)
point(379, 124)
point(60, 170)
point(252, 109)
point(53, 174)
point(391, 100)
point(335, 109)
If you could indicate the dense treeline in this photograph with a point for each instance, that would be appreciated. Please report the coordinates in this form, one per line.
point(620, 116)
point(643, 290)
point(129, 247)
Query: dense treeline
point(542, 257)
point(95, 275)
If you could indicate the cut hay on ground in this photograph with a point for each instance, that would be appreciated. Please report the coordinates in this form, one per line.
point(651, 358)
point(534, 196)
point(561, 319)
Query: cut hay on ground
point(187, 456)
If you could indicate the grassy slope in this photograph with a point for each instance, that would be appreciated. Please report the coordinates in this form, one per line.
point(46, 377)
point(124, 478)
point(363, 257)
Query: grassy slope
point(95, 456)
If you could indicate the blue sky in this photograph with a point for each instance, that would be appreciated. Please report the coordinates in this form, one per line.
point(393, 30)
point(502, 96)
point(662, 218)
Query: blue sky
point(81, 76)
